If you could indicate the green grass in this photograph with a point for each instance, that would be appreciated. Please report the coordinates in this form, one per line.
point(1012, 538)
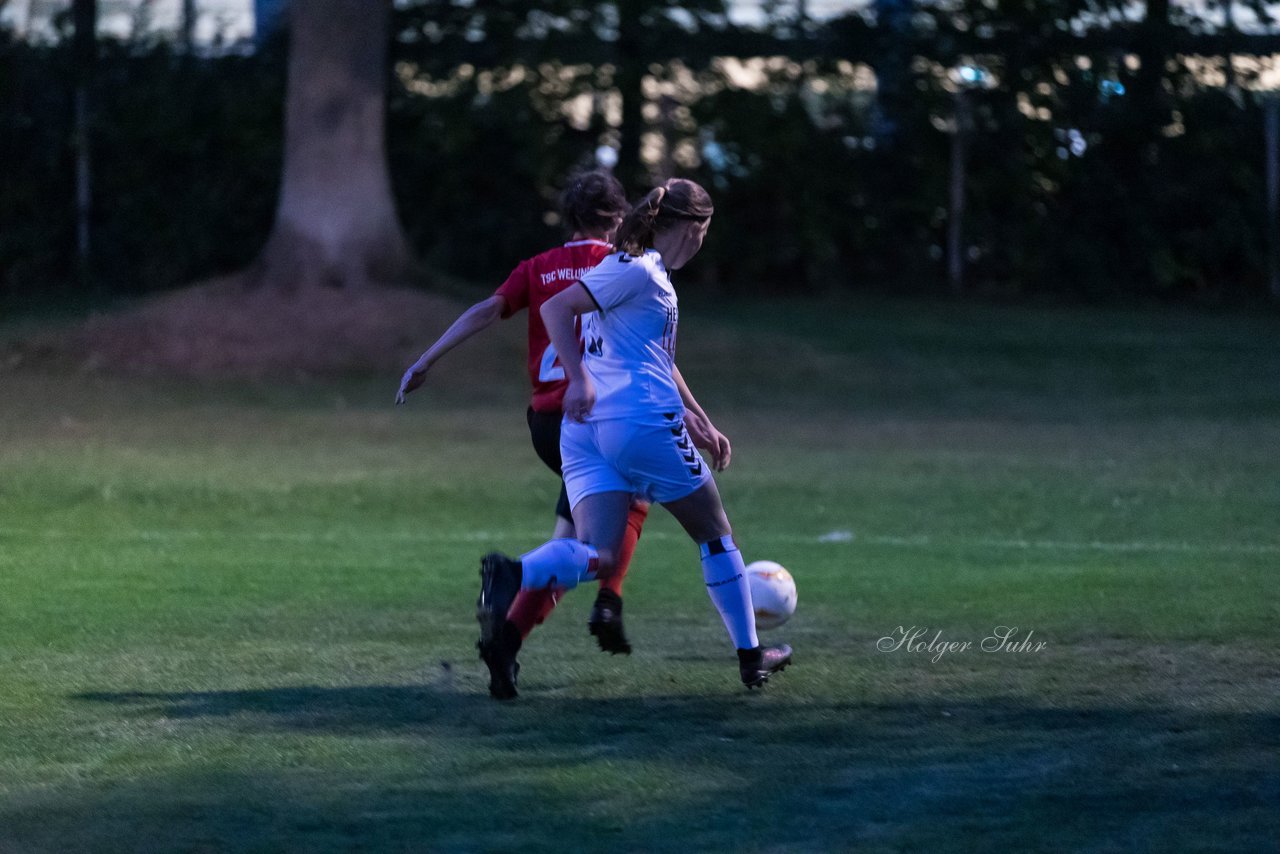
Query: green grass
point(241, 617)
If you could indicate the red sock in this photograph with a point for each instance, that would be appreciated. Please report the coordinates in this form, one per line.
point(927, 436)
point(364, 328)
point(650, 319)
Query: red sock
point(635, 521)
point(531, 607)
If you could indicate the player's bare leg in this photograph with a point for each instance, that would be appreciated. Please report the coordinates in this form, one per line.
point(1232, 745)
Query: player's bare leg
point(605, 623)
point(531, 607)
point(601, 521)
point(560, 563)
point(702, 516)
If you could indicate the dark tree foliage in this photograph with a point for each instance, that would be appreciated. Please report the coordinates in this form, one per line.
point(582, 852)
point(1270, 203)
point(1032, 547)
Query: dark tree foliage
point(1089, 174)
point(474, 173)
point(37, 214)
point(1111, 191)
point(186, 161)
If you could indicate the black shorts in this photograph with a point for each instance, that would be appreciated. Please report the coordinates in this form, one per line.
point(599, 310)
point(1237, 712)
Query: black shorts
point(544, 430)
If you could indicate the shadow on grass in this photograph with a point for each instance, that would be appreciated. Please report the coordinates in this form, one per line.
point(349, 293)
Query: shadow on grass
point(442, 770)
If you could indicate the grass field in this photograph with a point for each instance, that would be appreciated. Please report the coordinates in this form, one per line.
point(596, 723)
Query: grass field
point(240, 617)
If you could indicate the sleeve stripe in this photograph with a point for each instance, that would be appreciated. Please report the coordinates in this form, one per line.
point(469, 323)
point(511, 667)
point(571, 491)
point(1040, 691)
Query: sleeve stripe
point(593, 296)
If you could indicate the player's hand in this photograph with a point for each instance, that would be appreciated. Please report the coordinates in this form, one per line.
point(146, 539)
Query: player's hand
point(579, 398)
point(721, 451)
point(708, 438)
point(414, 377)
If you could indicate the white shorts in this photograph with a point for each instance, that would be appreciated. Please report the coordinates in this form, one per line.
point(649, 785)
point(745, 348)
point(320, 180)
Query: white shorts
point(654, 461)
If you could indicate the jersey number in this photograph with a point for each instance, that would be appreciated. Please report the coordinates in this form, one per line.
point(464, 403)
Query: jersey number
point(549, 371)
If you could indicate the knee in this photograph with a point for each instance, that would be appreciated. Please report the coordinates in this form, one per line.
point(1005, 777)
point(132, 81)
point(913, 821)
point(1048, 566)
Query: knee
point(606, 562)
point(712, 529)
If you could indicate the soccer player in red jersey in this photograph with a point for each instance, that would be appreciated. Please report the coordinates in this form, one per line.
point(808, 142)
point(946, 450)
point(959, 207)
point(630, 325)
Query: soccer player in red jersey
point(592, 206)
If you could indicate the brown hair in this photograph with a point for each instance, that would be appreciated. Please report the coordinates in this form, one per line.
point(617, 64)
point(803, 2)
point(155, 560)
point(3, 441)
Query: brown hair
point(676, 200)
point(592, 202)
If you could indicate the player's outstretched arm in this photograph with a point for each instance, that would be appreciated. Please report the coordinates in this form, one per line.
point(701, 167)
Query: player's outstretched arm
point(480, 316)
point(701, 430)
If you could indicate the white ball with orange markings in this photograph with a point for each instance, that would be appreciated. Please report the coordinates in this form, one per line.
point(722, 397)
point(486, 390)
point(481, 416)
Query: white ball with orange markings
point(773, 593)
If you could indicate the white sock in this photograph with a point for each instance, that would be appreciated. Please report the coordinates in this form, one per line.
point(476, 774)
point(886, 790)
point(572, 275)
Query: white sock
point(558, 563)
point(726, 578)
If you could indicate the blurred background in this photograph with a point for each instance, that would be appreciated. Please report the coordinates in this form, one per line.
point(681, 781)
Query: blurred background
point(1070, 149)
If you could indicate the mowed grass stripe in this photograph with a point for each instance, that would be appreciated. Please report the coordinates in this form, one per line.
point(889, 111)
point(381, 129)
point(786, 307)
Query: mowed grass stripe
point(499, 537)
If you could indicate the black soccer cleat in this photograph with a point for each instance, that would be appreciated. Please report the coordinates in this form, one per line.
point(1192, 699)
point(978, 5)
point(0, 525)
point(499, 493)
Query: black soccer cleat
point(757, 665)
point(606, 623)
point(499, 583)
point(500, 657)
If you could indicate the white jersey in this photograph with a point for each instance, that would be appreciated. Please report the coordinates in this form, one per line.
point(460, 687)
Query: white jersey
point(630, 342)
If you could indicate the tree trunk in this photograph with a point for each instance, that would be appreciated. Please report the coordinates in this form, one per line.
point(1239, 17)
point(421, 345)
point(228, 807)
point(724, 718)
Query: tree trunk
point(630, 79)
point(266, 20)
point(187, 35)
point(85, 17)
point(955, 219)
point(1149, 98)
point(892, 60)
point(1271, 130)
point(336, 223)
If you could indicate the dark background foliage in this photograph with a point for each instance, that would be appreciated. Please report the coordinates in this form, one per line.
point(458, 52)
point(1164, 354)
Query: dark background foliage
point(186, 156)
point(818, 187)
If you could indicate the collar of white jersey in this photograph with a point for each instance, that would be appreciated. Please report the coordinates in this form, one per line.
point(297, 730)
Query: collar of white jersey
point(649, 251)
point(658, 257)
point(590, 241)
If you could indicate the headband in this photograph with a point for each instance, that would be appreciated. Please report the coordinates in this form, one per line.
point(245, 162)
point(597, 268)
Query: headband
point(683, 215)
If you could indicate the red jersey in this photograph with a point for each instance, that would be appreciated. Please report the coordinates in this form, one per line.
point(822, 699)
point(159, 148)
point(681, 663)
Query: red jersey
point(531, 284)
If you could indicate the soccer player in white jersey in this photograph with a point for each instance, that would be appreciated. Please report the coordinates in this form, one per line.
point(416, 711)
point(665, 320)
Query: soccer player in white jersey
point(624, 431)
point(592, 205)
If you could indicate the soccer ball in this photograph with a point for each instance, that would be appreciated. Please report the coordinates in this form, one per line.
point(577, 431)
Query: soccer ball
point(773, 593)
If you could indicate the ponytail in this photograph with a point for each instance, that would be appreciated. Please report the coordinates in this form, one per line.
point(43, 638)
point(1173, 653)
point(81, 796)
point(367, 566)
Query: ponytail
point(677, 199)
point(636, 232)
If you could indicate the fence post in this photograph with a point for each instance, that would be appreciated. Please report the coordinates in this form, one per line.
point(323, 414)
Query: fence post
point(1271, 125)
point(85, 19)
point(955, 218)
